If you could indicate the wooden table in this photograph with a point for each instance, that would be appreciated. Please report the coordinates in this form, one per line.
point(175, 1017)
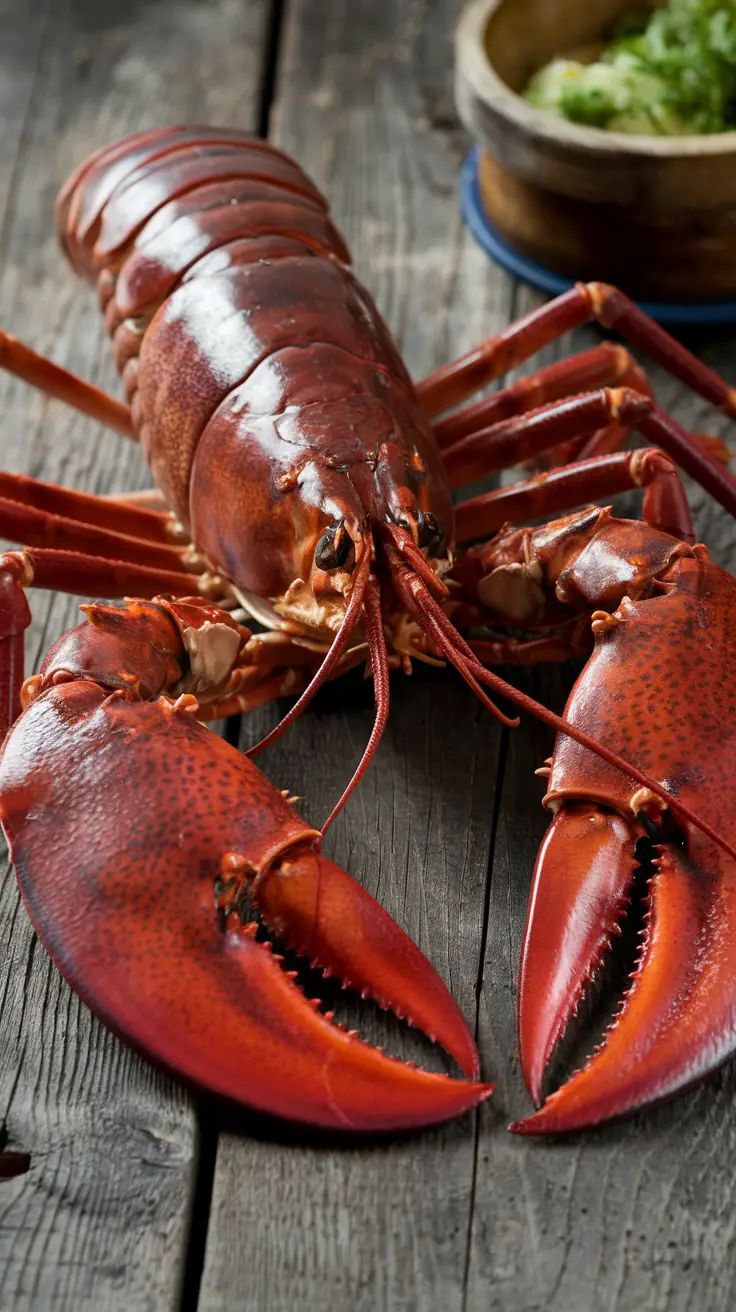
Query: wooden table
point(138, 1195)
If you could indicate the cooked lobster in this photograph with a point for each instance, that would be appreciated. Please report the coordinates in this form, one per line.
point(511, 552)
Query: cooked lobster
point(305, 479)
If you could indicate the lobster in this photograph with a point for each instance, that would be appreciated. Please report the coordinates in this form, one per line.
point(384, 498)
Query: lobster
point(307, 482)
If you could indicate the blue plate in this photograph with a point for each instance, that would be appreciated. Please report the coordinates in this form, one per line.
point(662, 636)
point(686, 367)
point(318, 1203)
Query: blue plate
point(700, 314)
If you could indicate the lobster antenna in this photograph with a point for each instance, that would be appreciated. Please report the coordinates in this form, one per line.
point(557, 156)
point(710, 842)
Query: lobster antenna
point(373, 624)
point(444, 642)
point(410, 551)
point(433, 621)
point(425, 609)
point(340, 642)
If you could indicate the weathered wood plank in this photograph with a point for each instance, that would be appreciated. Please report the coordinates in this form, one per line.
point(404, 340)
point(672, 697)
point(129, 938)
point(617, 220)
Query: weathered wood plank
point(364, 102)
point(101, 1219)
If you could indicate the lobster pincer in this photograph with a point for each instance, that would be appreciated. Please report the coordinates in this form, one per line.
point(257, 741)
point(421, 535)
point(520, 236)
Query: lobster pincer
point(142, 844)
point(659, 687)
point(662, 682)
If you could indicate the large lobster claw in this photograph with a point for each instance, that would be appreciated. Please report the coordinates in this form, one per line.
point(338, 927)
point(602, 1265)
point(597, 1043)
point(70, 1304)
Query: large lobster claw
point(138, 836)
point(662, 679)
point(677, 1022)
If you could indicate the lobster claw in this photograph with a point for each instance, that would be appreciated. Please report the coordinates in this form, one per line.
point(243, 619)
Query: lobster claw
point(138, 836)
point(677, 1021)
point(660, 681)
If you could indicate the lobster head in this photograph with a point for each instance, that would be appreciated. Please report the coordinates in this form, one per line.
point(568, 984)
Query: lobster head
point(343, 507)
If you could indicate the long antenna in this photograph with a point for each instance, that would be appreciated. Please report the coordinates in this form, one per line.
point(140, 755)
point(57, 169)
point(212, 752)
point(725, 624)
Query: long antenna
point(373, 624)
point(342, 637)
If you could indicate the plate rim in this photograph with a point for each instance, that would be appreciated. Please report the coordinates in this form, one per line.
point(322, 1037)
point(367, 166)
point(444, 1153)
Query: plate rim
point(696, 314)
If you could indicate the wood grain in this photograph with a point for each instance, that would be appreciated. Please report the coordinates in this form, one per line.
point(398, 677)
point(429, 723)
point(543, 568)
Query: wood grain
point(101, 1219)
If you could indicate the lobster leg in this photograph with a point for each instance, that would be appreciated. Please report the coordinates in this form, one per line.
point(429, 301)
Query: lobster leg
point(39, 372)
point(230, 674)
point(658, 427)
point(93, 576)
point(524, 437)
point(148, 498)
point(34, 527)
point(251, 693)
point(606, 365)
point(137, 520)
point(276, 664)
point(15, 617)
point(550, 494)
point(533, 651)
point(537, 432)
point(502, 353)
point(273, 665)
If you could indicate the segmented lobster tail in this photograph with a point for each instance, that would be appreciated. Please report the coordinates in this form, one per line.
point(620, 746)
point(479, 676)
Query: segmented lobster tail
point(108, 201)
point(148, 212)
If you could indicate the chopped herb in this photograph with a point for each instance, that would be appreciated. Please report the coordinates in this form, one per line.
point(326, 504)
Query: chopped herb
point(672, 73)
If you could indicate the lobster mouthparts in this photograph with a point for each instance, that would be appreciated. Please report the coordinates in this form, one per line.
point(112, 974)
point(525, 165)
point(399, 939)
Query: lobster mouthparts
point(138, 837)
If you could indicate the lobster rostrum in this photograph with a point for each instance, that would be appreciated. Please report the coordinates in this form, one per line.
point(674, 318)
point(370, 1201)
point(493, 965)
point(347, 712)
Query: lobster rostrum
point(305, 479)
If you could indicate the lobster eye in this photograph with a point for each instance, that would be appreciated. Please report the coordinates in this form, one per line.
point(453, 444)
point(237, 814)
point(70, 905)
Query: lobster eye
point(430, 532)
point(334, 548)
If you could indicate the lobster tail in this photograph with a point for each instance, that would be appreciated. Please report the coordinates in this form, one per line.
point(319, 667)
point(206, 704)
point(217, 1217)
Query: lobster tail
point(118, 189)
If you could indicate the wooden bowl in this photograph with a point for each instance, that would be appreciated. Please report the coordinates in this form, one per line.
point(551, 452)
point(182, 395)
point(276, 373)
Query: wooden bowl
point(654, 215)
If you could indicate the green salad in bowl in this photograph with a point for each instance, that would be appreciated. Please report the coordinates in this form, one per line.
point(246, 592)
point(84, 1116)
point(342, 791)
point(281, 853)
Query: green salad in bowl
point(671, 72)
